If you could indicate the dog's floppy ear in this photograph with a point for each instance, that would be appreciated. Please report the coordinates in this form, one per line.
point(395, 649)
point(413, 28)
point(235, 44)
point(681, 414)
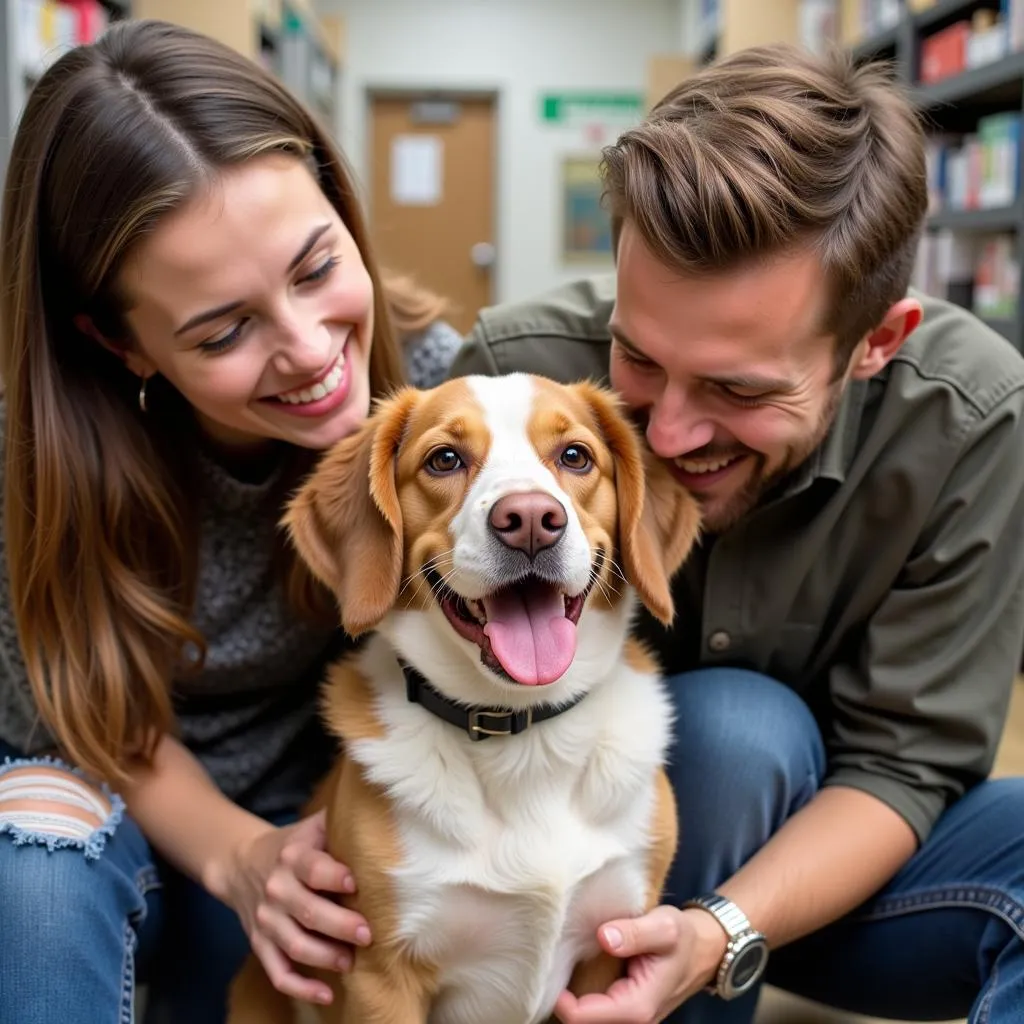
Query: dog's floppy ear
point(659, 520)
point(345, 520)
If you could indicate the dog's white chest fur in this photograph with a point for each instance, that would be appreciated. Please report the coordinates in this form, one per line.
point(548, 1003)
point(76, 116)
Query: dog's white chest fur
point(516, 848)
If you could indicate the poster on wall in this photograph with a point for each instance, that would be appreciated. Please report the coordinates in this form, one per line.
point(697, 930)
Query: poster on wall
point(586, 227)
point(417, 170)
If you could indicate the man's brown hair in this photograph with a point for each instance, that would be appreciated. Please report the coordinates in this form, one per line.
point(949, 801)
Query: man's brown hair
point(773, 149)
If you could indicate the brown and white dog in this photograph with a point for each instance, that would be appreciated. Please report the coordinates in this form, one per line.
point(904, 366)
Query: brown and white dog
point(496, 533)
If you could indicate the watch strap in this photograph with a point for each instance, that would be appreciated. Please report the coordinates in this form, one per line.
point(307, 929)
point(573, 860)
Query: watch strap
point(740, 935)
point(725, 912)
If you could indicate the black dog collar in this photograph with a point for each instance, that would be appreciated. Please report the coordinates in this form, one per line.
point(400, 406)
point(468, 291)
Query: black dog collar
point(477, 722)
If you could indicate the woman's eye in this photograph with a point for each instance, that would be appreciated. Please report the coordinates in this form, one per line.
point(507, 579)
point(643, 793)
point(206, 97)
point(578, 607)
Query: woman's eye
point(324, 270)
point(444, 460)
point(224, 341)
point(576, 458)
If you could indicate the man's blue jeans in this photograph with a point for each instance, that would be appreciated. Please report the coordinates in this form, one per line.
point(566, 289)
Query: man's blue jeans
point(941, 941)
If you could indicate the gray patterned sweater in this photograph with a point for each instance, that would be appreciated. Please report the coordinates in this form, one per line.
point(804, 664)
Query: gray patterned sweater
point(250, 714)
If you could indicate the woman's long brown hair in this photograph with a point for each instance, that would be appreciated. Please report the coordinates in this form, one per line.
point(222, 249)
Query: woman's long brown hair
point(101, 545)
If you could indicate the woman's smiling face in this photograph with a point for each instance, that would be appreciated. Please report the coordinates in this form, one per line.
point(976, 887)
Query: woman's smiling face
point(254, 302)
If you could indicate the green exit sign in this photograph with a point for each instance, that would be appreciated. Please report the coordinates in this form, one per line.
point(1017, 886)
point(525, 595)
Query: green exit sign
point(574, 107)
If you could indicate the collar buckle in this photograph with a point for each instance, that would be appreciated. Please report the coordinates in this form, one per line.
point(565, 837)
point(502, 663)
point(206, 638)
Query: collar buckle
point(481, 722)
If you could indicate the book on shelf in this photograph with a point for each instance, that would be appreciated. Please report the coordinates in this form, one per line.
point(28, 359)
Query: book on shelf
point(978, 170)
point(980, 272)
point(996, 278)
point(878, 16)
point(980, 37)
point(48, 28)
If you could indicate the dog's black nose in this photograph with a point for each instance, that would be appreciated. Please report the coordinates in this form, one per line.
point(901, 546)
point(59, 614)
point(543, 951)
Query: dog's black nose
point(529, 521)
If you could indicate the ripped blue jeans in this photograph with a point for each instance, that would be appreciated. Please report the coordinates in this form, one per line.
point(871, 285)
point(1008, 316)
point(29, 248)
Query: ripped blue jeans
point(942, 940)
point(85, 913)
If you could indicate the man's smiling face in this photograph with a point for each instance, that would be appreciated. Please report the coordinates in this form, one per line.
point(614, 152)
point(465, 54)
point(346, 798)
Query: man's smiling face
point(731, 373)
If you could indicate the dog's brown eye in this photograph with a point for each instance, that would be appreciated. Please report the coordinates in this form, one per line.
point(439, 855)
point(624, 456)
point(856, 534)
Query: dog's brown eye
point(443, 460)
point(576, 458)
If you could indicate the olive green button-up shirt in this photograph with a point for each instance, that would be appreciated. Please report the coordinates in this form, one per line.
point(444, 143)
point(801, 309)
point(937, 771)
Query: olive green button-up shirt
point(885, 582)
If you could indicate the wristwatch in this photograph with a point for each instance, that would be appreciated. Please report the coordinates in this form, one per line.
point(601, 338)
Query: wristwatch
point(746, 955)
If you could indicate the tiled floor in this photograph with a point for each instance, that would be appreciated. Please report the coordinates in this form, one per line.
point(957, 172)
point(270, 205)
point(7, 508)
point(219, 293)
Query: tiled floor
point(781, 1008)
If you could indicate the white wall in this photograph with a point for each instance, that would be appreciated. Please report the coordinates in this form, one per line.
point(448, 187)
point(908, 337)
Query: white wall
point(689, 25)
point(521, 49)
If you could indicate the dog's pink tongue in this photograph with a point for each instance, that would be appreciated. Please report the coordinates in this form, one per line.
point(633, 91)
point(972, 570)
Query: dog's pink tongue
point(530, 634)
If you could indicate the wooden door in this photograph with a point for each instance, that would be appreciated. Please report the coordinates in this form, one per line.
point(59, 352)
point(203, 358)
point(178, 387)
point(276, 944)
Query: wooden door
point(432, 195)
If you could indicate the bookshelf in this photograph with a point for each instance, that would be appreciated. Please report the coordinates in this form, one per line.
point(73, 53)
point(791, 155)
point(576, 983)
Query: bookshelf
point(963, 63)
point(32, 34)
point(287, 36)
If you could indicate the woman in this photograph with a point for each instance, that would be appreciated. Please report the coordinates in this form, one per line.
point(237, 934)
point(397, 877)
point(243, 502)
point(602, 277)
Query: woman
point(190, 312)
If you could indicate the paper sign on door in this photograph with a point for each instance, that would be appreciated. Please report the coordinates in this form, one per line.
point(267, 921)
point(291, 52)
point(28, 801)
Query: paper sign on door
point(416, 170)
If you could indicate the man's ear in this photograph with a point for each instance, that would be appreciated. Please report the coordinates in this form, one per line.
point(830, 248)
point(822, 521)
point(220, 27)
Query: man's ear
point(132, 358)
point(878, 347)
point(659, 521)
point(346, 522)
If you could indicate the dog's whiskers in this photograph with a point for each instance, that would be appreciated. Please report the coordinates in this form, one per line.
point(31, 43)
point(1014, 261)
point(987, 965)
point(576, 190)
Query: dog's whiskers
point(617, 570)
point(442, 583)
point(418, 592)
point(606, 589)
point(436, 587)
point(413, 578)
point(418, 576)
point(432, 588)
point(609, 587)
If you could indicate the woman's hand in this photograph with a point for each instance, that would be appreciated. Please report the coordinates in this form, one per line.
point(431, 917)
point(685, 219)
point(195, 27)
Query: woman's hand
point(280, 889)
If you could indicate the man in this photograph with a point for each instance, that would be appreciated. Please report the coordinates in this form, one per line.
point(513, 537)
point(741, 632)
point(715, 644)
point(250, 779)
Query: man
point(847, 632)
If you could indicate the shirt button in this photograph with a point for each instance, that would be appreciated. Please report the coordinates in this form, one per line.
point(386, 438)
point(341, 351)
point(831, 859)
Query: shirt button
point(719, 641)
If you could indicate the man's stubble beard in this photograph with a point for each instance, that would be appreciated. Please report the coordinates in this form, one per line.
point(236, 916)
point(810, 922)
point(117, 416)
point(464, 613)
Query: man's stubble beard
point(760, 483)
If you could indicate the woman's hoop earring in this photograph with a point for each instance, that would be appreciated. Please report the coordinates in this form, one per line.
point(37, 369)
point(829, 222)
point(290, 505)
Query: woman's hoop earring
point(142, 394)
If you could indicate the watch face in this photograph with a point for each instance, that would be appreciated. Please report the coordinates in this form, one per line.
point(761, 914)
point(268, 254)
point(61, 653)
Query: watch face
point(748, 965)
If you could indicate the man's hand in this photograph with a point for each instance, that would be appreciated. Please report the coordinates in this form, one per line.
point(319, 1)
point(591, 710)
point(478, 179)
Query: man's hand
point(672, 955)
